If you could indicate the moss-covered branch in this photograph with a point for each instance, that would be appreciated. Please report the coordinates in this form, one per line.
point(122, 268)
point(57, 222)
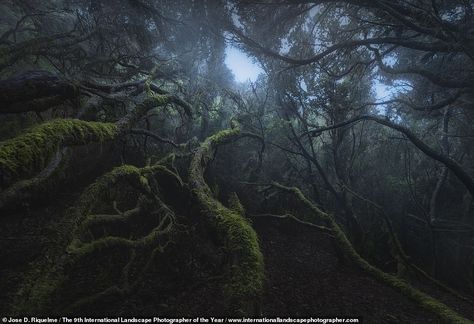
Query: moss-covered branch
point(152, 238)
point(22, 192)
point(92, 232)
point(246, 271)
point(399, 252)
point(444, 312)
point(148, 203)
point(152, 101)
point(23, 156)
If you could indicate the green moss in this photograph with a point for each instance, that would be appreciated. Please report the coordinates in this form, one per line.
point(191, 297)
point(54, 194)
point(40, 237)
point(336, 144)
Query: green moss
point(204, 153)
point(98, 190)
point(152, 101)
point(137, 178)
point(444, 312)
point(162, 171)
point(151, 239)
point(46, 289)
point(83, 303)
point(28, 153)
point(235, 204)
point(246, 268)
point(245, 264)
point(23, 192)
point(103, 219)
point(31, 151)
point(133, 176)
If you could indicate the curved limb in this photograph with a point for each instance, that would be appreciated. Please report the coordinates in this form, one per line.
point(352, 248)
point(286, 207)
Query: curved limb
point(245, 269)
point(444, 312)
point(28, 153)
point(451, 164)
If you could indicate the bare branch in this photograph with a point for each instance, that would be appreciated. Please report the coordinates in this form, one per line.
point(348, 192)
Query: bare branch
point(451, 164)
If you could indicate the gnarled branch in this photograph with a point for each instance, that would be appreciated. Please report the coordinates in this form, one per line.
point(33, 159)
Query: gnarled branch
point(451, 164)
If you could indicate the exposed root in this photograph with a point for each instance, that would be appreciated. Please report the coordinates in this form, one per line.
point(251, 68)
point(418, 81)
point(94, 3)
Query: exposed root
point(108, 242)
point(323, 229)
point(144, 230)
point(400, 254)
point(444, 312)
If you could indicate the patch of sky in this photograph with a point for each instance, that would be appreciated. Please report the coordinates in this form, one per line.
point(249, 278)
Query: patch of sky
point(344, 21)
point(236, 20)
point(455, 14)
point(303, 85)
point(382, 91)
point(285, 46)
point(385, 92)
point(241, 65)
point(314, 11)
point(389, 60)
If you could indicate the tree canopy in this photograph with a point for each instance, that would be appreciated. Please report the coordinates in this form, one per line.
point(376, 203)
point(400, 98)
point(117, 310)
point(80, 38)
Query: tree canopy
point(136, 174)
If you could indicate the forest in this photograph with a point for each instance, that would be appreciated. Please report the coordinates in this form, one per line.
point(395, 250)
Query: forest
point(139, 177)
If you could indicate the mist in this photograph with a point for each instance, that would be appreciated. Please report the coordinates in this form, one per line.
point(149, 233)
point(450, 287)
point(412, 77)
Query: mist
point(236, 161)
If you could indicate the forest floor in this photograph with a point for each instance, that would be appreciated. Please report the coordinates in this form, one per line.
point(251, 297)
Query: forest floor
point(305, 278)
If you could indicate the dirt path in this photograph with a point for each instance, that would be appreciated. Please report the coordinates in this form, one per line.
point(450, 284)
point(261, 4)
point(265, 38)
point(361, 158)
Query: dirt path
point(305, 278)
